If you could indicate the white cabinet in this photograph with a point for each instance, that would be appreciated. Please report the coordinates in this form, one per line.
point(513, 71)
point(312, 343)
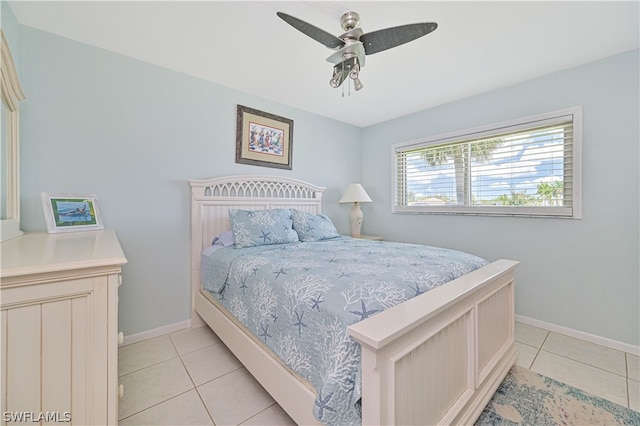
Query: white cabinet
point(59, 327)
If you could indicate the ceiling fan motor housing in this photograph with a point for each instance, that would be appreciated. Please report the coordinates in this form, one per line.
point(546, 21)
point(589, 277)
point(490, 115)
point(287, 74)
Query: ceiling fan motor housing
point(350, 20)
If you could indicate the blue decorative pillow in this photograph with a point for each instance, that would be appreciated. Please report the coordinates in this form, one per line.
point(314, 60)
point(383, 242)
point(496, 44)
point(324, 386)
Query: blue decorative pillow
point(313, 227)
point(262, 227)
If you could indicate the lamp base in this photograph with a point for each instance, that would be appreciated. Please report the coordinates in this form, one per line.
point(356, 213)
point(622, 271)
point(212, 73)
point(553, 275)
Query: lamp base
point(355, 219)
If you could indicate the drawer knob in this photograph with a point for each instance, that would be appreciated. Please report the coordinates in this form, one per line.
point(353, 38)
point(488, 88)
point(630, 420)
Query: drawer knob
point(120, 338)
point(120, 391)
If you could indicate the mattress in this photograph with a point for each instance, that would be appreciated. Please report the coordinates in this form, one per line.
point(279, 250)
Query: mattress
point(299, 298)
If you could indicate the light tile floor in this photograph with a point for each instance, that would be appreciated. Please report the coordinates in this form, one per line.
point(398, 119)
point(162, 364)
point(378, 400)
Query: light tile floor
point(190, 378)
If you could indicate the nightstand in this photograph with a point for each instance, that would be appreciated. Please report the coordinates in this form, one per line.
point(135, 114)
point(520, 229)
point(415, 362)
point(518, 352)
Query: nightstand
point(369, 237)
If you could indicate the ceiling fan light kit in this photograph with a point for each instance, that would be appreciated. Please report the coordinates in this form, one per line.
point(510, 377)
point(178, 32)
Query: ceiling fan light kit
point(352, 46)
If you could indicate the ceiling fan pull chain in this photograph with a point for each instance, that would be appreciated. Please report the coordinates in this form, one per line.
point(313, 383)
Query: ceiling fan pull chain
point(343, 75)
point(347, 78)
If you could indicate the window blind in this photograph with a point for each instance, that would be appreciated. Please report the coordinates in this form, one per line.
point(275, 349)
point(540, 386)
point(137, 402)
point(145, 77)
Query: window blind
point(527, 167)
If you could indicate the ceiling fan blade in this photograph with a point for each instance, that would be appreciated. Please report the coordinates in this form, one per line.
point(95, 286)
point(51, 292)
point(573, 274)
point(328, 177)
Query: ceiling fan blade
point(380, 40)
point(315, 33)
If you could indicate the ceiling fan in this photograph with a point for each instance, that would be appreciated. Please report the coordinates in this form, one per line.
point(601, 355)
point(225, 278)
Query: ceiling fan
point(352, 46)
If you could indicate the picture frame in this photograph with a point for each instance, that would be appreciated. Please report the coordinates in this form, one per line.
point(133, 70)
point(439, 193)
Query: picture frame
point(263, 139)
point(71, 212)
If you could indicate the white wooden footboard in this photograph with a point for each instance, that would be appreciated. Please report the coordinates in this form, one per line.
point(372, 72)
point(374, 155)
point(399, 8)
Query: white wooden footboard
point(438, 358)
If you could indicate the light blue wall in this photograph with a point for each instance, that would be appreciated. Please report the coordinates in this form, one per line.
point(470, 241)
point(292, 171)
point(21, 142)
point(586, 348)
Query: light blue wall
point(581, 274)
point(133, 133)
point(10, 28)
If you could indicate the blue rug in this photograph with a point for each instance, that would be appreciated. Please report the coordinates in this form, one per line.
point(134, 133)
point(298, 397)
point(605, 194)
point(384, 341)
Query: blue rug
point(528, 398)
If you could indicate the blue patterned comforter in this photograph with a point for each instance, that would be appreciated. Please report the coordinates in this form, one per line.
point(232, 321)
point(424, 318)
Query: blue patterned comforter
point(299, 298)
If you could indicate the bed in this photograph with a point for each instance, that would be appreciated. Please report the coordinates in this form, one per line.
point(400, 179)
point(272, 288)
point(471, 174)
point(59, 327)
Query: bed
point(436, 358)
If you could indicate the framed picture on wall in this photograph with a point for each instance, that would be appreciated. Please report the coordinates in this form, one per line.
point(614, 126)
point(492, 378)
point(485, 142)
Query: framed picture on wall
point(71, 212)
point(263, 139)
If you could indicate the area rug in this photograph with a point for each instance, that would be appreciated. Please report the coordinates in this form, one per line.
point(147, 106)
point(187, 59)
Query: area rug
point(528, 398)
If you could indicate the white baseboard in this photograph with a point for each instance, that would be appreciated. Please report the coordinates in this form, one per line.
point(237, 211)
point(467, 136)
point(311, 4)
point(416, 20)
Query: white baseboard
point(160, 331)
point(598, 340)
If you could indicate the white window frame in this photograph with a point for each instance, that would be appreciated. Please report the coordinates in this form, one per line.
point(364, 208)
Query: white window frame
point(572, 212)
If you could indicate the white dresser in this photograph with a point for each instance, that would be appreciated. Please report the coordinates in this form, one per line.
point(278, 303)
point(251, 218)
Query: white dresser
point(59, 327)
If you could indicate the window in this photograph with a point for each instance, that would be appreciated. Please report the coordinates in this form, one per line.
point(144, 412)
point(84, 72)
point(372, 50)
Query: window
point(525, 167)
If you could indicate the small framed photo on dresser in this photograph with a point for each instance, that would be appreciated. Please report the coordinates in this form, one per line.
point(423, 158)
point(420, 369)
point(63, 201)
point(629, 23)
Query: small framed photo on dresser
point(71, 212)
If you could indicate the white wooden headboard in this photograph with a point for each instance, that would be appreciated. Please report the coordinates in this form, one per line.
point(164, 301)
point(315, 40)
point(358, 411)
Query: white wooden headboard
point(212, 198)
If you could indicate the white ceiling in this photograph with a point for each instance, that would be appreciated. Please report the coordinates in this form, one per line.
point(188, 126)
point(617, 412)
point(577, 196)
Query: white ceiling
point(478, 46)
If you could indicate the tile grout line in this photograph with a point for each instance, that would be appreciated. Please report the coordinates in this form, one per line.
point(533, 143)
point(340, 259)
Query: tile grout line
point(538, 351)
point(627, 390)
point(154, 405)
point(259, 412)
point(597, 368)
point(625, 375)
point(178, 356)
point(182, 362)
point(214, 379)
point(626, 369)
point(213, 422)
point(583, 363)
point(226, 374)
point(146, 366)
point(195, 387)
point(586, 363)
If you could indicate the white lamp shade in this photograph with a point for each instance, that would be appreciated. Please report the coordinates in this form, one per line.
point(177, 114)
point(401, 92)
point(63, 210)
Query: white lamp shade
point(355, 193)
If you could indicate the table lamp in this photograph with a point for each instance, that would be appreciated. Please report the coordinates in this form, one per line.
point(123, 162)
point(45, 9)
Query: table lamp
point(355, 194)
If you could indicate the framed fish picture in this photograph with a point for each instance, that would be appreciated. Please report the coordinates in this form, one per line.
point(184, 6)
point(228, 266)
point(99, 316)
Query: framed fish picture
point(71, 212)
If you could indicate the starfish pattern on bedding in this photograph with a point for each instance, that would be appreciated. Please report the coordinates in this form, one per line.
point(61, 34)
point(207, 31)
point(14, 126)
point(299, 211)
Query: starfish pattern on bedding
point(364, 313)
point(265, 332)
point(316, 302)
point(265, 237)
point(351, 383)
point(299, 324)
point(280, 272)
point(322, 404)
point(416, 289)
